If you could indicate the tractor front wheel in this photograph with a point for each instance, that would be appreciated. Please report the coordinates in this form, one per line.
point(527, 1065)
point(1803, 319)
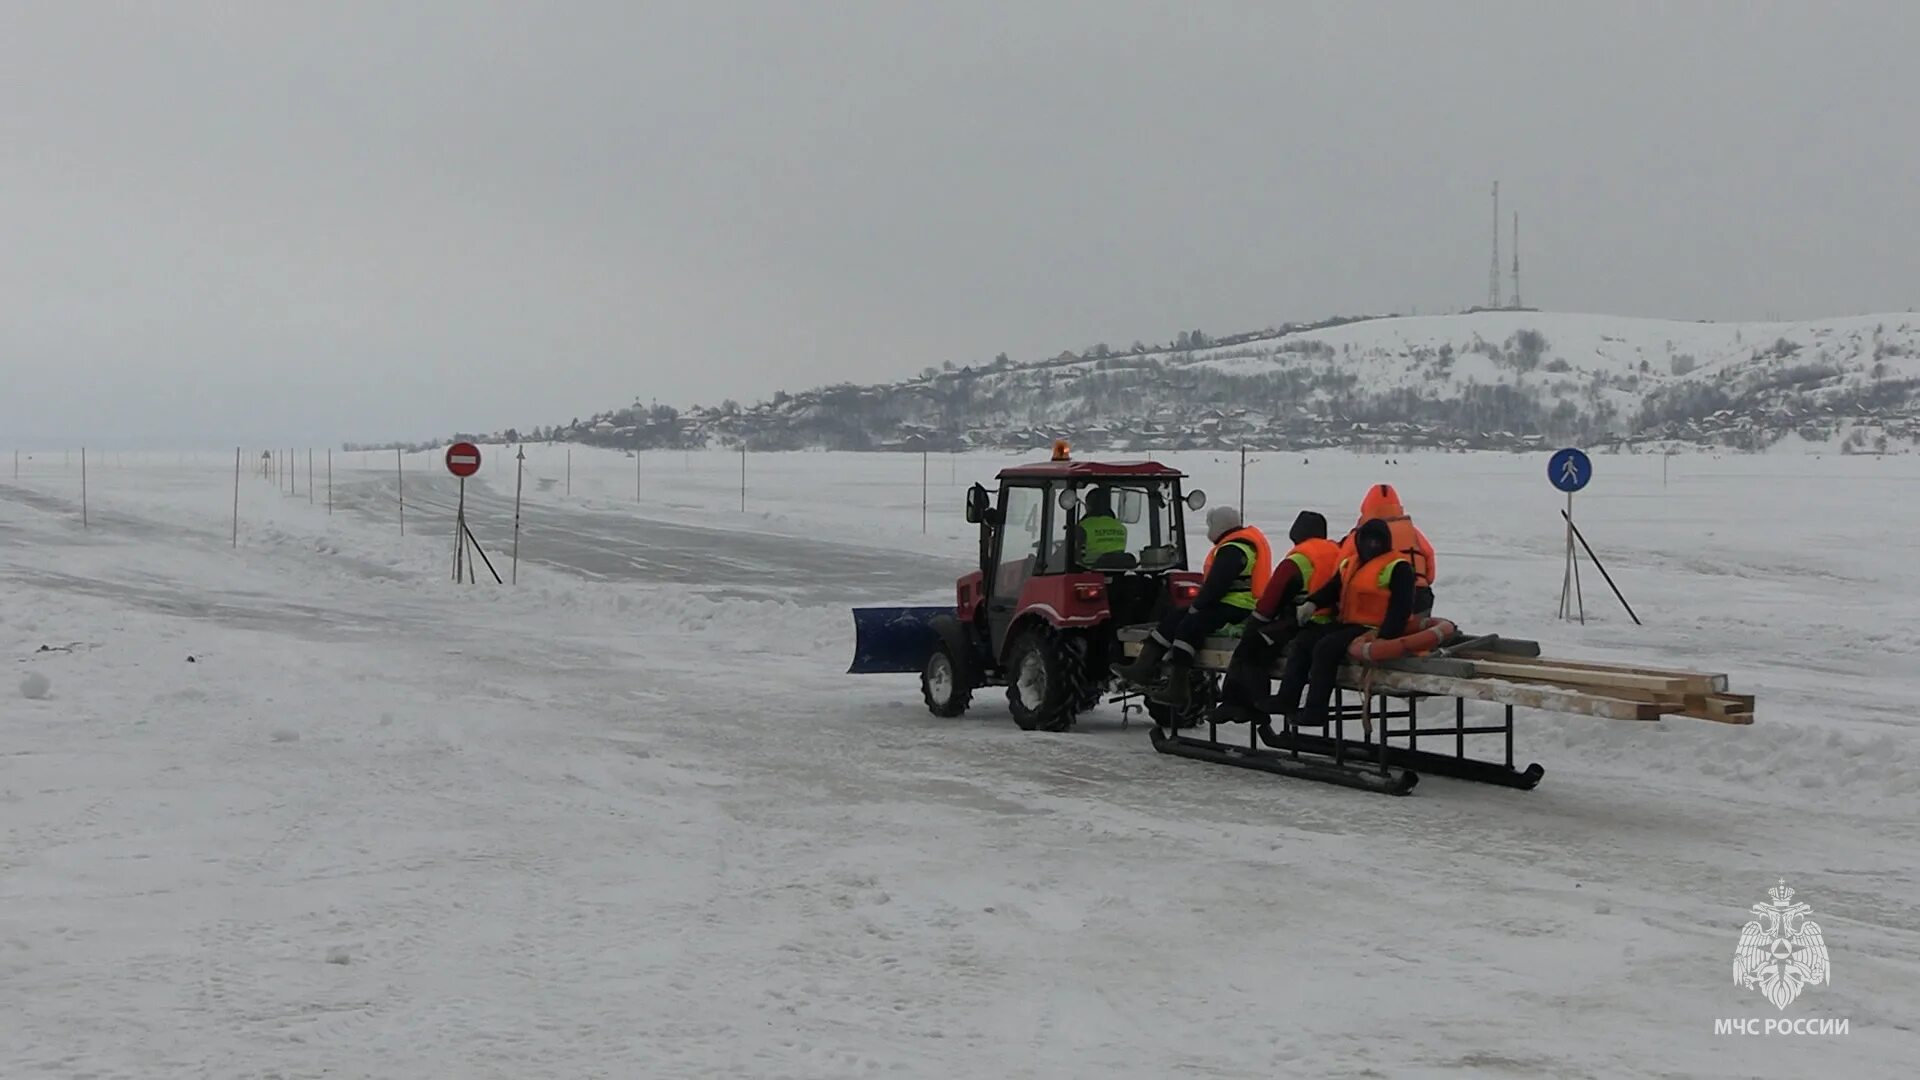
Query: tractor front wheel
point(943, 684)
point(1040, 684)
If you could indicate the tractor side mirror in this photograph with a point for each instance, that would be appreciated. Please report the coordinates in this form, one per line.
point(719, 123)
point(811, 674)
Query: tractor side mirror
point(1069, 498)
point(1126, 506)
point(1196, 499)
point(976, 504)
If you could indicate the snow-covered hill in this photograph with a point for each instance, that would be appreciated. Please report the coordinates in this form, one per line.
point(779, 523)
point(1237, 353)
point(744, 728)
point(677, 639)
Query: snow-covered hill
point(1742, 384)
point(1487, 379)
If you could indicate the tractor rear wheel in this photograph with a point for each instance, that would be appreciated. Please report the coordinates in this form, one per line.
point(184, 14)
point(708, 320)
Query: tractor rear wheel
point(1041, 690)
point(943, 685)
point(1088, 670)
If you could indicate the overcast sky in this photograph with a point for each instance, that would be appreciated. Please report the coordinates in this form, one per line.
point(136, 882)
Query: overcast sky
point(301, 223)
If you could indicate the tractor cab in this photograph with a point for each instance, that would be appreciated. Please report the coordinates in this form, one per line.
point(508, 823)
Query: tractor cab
point(1087, 541)
point(1069, 553)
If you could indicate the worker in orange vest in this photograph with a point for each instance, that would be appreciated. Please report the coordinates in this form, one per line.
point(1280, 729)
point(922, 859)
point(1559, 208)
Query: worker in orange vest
point(1383, 502)
point(1234, 574)
point(1373, 593)
point(1307, 568)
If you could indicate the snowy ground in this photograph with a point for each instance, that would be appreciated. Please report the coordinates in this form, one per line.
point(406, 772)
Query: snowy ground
point(630, 819)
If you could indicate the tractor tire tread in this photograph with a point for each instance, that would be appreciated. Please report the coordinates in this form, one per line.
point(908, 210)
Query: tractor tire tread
point(1057, 712)
point(963, 693)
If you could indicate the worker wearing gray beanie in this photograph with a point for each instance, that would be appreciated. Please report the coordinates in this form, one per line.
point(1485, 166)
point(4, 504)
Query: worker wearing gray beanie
point(1235, 570)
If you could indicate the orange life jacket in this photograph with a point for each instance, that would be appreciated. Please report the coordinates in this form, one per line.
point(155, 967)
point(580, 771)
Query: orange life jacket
point(1364, 594)
point(1383, 502)
point(1318, 560)
point(1259, 567)
point(1408, 542)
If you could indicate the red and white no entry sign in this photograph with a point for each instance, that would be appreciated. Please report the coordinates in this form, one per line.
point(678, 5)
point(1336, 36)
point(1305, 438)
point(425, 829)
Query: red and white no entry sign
point(463, 459)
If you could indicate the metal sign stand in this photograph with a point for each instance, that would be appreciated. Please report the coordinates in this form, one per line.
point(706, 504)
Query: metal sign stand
point(519, 478)
point(1571, 576)
point(1569, 470)
point(1602, 567)
point(463, 460)
point(460, 533)
point(482, 552)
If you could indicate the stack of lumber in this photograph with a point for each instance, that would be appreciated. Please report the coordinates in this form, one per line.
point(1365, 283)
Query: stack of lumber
point(1647, 692)
point(1512, 672)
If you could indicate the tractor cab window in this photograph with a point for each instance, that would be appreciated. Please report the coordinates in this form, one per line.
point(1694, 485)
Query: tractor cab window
point(1101, 536)
point(1143, 523)
point(1021, 550)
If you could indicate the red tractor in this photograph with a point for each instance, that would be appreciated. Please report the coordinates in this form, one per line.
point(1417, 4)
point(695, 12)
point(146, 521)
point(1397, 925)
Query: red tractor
point(1070, 552)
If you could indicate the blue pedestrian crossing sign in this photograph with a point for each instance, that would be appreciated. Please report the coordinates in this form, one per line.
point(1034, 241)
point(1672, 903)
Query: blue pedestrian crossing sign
point(1569, 470)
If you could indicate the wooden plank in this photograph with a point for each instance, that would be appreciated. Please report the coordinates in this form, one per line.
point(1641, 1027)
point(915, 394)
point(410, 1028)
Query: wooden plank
point(1216, 659)
point(1217, 650)
point(1503, 692)
point(1721, 708)
point(1568, 676)
point(1702, 682)
point(1500, 691)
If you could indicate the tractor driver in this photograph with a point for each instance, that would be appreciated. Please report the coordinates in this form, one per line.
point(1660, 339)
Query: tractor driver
point(1236, 571)
point(1101, 533)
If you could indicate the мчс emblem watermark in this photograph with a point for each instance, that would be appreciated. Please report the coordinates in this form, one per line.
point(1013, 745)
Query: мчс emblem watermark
point(1781, 953)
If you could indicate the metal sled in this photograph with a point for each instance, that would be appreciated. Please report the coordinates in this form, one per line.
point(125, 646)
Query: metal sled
point(1501, 671)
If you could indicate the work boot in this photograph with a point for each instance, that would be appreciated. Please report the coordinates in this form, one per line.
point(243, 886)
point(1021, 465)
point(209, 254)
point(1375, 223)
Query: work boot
point(1177, 692)
point(1234, 713)
point(1309, 718)
point(1144, 671)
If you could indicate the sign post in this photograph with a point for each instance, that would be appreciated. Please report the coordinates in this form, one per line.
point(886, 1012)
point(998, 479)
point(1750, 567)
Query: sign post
point(1243, 482)
point(519, 477)
point(463, 460)
point(1569, 470)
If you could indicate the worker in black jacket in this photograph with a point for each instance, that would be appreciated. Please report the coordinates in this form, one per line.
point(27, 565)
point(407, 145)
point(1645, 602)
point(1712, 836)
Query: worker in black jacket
point(1372, 593)
point(1313, 562)
point(1236, 569)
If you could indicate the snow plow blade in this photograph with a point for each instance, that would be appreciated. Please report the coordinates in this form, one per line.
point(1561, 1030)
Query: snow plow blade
point(889, 640)
point(1392, 781)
